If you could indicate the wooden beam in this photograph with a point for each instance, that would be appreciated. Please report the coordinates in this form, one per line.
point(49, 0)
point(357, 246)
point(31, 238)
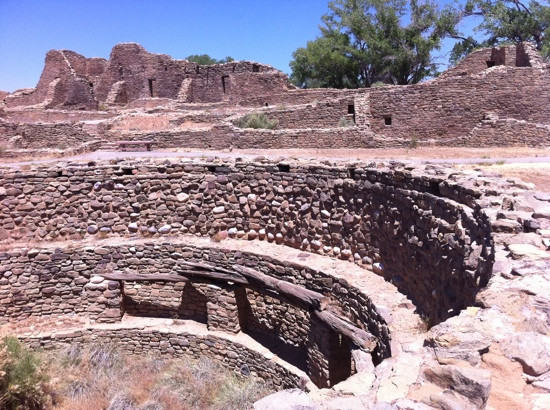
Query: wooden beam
point(215, 275)
point(308, 297)
point(360, 337)
point(205, 266)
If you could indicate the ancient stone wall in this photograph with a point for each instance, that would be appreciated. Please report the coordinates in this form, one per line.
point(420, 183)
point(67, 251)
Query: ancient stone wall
point(68, 80)
point(300, 96)
point(55, 116)
point(132, 73)
point(452, 107)
point(47, 282)
point(325, 114)
point(387, 216)
point(45, 135)
point(499, 132)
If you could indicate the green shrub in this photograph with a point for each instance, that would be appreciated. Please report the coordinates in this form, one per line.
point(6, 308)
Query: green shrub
point(345, 122)
point(414, 143)
point(258, 121)
point(22, 382)
point(3, 149)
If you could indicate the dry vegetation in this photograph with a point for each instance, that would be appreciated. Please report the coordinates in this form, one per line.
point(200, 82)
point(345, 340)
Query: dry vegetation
point(103, 377)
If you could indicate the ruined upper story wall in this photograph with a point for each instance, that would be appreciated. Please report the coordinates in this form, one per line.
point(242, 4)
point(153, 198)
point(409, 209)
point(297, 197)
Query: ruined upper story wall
point(67, 80)
point(143, 74)
point(132, 73)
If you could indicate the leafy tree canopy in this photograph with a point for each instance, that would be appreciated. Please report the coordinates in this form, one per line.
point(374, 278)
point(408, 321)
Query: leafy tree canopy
point(367, 41)
point(504, 21)
point(205, 59)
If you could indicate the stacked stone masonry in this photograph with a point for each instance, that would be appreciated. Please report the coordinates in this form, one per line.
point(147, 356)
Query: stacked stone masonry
point(363, 214)
point(429, 231)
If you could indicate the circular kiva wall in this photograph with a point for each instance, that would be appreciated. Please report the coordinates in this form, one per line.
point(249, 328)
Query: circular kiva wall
point(418, 228)
point(55, 281)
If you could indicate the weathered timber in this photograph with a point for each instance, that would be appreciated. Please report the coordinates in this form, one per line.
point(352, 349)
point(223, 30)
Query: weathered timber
point(214, 275)
point(360, 337)
point(205, 266)
point(140, 277)
point(308, 297)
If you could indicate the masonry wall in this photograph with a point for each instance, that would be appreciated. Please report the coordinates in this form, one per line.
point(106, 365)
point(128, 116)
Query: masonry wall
point(45, 135)
point(449, 108)
point(300, 96)
point(44, 282)
point(499, 132)
point(326, 114)
point(363, 214)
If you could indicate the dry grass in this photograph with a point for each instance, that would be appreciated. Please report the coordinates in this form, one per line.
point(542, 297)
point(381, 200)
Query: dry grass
point(102, 376)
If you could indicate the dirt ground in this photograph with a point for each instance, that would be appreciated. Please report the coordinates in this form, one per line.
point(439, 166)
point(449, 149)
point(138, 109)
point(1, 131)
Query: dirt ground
point(538, 174)
point(529, 164)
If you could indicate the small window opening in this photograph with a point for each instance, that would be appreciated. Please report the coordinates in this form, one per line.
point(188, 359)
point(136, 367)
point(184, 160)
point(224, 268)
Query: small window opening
point(490, 63)
point(351, 109)
point(165, 68)
point(128, 171)
point(224, 85)
point(211, 168)
point(266, 104)
point(255, 68)
point(151, 82)
point(351, 173)
point(283, 167)
point(387, 120)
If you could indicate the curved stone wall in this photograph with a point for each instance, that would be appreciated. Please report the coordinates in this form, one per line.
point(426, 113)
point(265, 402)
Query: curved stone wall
point(424, 232)
point(232, 354)
point(56, 281)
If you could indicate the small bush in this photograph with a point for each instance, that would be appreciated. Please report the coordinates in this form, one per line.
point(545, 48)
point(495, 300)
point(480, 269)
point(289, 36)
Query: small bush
point(345, 122)
point(257, 121)
point(414, 143)
point(3, 149)
point(378, 84)
point(23, 384)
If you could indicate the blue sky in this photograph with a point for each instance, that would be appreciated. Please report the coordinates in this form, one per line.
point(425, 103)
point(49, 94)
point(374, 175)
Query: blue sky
point(258, 30)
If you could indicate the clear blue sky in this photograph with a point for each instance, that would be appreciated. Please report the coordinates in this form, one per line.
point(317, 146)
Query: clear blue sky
point(258, 30)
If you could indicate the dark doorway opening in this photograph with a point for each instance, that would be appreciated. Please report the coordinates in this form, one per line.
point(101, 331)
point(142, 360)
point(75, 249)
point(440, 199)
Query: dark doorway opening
point(255, 68)
point(490, 63)
point(387, 121)
point(283, 167)
point(224, 84)
point(351, 111)
point(151, 82)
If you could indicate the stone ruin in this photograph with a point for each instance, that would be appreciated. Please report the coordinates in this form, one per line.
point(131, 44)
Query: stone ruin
point(360, 285)
point(494, 97)
point(383, 282)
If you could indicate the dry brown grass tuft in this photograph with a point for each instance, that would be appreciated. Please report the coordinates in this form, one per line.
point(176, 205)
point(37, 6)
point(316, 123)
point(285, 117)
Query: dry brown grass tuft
point(102, 376)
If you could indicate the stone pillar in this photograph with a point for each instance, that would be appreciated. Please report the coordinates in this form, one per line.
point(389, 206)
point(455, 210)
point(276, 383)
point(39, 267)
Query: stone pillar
point(329, 355)
point(224, 307)
point(104, 300)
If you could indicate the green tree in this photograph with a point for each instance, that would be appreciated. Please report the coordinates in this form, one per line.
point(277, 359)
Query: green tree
point(205, 59)
point(502, 22)
point(366, 41)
